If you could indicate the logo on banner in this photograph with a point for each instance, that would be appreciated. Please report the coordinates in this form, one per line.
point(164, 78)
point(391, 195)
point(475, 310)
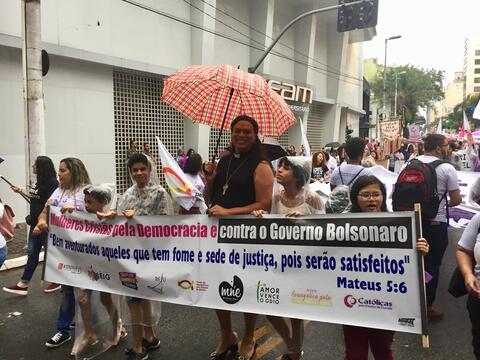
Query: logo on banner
point(410, 322)
point(128, 279)
point(350, 301)
point(311, 297)
point(193, 285)
point(185, 284)
point(97, 275)
point(160, 281)
point(267, 294)
point(74, 269)
point(231, 293)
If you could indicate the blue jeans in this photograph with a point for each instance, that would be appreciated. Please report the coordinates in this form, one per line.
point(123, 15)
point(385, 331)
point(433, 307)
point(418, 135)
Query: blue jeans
point(3, 254)
point(35, 244)
point(66, 312)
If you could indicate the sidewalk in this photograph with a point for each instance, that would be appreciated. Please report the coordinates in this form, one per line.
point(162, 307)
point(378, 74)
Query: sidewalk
point(17, 250)
point(17, 246)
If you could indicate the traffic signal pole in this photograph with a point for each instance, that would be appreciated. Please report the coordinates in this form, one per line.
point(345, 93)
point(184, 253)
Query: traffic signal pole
point(298, 18)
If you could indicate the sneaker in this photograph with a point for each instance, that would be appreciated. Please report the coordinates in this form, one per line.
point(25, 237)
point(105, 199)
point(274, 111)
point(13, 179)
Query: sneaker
point(434, 314)
point(52, 287)
point(57, 340)
point(15, 289)
point(150, 345)
point(132, 355)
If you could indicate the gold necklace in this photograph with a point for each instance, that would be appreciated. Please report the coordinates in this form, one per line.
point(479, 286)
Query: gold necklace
point(225, 187)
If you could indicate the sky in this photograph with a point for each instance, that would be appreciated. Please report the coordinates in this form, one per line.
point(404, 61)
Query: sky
point(433, 33)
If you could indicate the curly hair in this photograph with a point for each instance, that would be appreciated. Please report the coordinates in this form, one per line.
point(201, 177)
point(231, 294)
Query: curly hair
point(314, 159)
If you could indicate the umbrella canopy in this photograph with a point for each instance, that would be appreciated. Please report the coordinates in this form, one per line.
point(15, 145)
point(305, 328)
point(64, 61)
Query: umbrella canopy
point(273, 148)
point(333, 145)
point(214, 95)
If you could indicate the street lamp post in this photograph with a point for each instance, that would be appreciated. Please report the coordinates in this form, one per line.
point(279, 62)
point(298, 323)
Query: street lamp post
point(384, 110)
point(385, 73)
point(396, 92)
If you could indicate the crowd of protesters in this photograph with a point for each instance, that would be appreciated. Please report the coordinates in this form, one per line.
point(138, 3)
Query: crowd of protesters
point(242, 183)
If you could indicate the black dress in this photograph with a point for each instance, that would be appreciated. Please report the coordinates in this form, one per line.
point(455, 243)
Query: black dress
point(241, 184)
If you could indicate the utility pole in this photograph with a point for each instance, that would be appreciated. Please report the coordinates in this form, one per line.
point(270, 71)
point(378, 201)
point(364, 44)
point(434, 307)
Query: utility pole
point(32, 84)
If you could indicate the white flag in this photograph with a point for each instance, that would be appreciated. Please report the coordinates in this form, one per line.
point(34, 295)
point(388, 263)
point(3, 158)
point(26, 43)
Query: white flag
point(439, 127)
point(305, 143)
point(466, 124)
point(181, 189)
point(476, 113)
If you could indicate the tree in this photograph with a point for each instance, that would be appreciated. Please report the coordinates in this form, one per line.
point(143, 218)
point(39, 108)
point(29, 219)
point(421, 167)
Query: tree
point(469, 104)
point(417, 87)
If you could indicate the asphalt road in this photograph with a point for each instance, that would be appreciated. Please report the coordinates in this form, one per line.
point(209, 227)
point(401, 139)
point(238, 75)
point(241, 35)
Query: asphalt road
point(191, 333)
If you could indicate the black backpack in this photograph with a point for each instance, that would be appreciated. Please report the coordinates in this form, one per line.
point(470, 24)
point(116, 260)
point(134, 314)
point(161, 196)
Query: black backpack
point(417, 183)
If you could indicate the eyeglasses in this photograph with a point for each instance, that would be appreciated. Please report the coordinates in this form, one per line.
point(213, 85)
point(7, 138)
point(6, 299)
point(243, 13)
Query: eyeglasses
point(373, 195)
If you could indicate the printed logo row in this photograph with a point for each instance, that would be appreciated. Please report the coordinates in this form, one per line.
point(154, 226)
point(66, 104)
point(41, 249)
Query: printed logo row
point(232, 292)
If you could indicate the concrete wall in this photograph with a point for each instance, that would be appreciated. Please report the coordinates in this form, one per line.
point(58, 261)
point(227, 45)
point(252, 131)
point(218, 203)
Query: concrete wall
point(78, 119)
point(93, 36)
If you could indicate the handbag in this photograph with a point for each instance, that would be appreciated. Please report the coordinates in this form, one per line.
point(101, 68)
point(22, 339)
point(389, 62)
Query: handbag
point(456, 286)
point(6, 222)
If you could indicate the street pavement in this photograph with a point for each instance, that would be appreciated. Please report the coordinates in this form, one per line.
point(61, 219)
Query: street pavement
point(191, 333)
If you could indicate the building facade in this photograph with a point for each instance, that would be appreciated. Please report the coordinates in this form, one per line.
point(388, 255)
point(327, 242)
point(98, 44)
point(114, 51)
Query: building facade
point(108, 60)
point(471, 65)
point(453, 95)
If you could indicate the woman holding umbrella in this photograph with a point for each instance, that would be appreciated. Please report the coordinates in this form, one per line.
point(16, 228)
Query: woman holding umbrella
point(241, 183)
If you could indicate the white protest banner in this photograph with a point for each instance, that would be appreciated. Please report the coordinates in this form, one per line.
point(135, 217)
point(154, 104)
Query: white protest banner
point(359, 269)
point(390, 130)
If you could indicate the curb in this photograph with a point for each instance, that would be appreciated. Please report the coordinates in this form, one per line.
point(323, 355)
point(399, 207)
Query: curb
point(18, 262)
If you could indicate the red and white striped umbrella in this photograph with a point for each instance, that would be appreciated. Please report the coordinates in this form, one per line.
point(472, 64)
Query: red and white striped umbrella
point(202, 93)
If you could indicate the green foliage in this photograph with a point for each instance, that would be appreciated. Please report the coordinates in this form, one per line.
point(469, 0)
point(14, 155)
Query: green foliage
point(416, 87)
point(456, 118)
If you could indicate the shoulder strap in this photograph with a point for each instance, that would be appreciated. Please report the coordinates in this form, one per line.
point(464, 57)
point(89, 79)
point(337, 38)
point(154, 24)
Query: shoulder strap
point(358, 173)
point(433, 165)
point(340, 173)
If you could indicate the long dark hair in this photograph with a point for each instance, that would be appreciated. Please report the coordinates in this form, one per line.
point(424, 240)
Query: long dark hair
point(362, 182)
point(45, 170)
point(258, 151)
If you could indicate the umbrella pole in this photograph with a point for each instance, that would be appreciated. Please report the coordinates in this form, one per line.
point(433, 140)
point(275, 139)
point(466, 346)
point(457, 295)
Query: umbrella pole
point(223, 123)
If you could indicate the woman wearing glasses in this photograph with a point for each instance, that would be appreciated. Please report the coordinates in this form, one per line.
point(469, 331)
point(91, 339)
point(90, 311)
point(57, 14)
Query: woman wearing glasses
point(368, 194)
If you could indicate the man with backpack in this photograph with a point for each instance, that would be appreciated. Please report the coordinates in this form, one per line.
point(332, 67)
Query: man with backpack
point(346, 174)
point(430, 180)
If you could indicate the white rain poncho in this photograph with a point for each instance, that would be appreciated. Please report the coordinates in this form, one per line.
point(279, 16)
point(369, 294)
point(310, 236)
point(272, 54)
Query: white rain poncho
point(97, 314)
point(474, 195)
point(339, 200)
point(306, 202)
point(151, 200)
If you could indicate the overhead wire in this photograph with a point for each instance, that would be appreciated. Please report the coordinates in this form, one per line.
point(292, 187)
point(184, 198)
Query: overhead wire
point(216, 33)
point(334, 70)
